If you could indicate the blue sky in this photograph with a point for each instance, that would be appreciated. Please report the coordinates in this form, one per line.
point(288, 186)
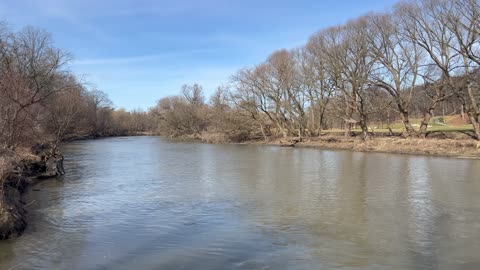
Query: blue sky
point(139, 51)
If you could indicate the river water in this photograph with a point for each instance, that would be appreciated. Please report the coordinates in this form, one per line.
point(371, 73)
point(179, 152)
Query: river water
point(148, 203)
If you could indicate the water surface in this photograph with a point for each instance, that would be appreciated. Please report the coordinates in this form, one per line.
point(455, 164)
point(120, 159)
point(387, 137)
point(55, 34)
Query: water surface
point(147, 203)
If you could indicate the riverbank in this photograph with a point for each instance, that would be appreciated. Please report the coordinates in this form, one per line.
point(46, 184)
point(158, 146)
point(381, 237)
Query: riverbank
point(413, 146)
point(112, 135)
point(448, 146)
point(18, 170)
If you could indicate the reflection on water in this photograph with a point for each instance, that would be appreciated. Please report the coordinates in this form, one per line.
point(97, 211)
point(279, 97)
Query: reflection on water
point(146, 203)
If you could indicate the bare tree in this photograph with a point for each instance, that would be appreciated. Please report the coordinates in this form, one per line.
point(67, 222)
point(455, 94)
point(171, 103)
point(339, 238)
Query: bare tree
point(100, 108)
point(318, 86)
point(350, 62)
point(194, 94)
point(422, 24)
point(64, 112)
point(330, 45)
point(30, 67)
point(397, 63)
point(262, 94)
point(285, 85)
point(462, 18)
point(248, 96)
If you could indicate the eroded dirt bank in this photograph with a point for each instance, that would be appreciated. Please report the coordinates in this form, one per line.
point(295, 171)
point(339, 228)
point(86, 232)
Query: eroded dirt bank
point(18, 170)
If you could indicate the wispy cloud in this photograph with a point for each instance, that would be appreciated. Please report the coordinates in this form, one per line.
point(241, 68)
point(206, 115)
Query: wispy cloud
point(113, 8)
point(114, 61)
point(142, 58)
point(61, 10)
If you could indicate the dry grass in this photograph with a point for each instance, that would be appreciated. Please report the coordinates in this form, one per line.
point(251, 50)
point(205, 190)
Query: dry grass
point(439, 147)
point(210, 137)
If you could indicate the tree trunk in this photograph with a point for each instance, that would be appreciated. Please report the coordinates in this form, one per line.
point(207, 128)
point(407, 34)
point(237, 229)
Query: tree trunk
point(364, 127)
point(348, 117)
point(410, 131)
point(348, 129)
point(320, 127)
point(474, 111)
point(476, 126)
point(301, 131)
point(263, 132)
point(282, 130)
point(312, 128)
point(424, 124)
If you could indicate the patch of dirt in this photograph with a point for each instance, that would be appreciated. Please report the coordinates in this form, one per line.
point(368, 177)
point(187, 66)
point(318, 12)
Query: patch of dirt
point(458, 121)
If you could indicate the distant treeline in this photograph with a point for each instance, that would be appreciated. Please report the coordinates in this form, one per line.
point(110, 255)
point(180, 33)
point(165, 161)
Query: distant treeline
point(418, 60)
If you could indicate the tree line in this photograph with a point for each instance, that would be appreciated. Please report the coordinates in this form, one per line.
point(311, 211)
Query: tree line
point(419, 59)
point(42, 101)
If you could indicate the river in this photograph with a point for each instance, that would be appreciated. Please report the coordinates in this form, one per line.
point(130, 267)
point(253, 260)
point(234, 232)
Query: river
point(149, 203)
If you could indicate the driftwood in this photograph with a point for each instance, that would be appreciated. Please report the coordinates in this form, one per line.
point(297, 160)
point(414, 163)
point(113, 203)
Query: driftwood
point(290, 142)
